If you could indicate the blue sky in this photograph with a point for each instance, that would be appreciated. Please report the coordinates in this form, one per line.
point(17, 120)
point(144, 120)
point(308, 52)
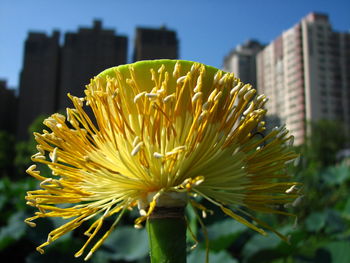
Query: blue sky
point(207, 29)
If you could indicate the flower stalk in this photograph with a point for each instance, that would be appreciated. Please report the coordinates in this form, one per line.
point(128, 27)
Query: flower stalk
point(166, 229)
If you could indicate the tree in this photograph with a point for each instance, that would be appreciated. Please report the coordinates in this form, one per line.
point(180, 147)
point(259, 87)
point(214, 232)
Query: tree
point(325, 140)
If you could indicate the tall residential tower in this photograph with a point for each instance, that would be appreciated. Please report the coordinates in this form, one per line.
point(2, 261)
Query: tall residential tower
point(242, 61)
point(305, 73)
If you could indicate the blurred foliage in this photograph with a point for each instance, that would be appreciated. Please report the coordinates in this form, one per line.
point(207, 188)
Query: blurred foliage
point(321, 234)
point(25, 149)
point(7, 153)
point(325, 140)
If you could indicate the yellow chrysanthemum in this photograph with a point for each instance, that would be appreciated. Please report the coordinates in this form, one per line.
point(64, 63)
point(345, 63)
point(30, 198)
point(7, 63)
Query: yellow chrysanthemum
point(159, 128)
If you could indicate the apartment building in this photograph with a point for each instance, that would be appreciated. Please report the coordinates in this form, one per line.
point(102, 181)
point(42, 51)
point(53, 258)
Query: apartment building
point(305, 72)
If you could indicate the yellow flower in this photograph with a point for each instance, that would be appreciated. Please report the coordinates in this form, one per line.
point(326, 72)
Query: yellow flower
point(160, 128)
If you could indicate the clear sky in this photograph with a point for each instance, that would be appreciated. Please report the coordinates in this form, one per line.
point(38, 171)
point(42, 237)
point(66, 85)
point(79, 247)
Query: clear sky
point(207, 29)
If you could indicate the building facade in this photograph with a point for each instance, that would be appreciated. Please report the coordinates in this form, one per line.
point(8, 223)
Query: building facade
point(151, 43)
point(242, 61)
point(8, 108)
point(50, 70)
point(38, 79)
point(84, 55)
point(305, 74)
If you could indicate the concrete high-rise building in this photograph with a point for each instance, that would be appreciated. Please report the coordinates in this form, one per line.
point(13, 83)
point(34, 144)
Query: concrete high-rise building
point(242, 61)
point(50, 71)
point(8, 108)
point(84, 55)
point(38, 79)
point(306, 74)
point(153, 43)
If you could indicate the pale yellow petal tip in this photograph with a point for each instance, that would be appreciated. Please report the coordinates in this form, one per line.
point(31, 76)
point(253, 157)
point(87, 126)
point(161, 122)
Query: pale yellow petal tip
point(78, 254)
point(292, 189)
point(88, 256)
point(40, 250)
point(138, 226)
point(29, 223)
point(193, 247)
point(31, 168)
point(139, 220)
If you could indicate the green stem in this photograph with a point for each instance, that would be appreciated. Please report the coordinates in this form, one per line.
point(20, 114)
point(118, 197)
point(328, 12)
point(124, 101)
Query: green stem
point(167, 235)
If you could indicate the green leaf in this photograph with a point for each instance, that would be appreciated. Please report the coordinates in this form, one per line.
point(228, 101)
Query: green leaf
point(198, 255)
point(316, 221)
point(340, 251)
point(126, 243)
point(259, 242)
point(261, 248)
point(100, 257)
point(3, 200)
point(223, 233)
point(346, 210)
point(13, 231)
point(335, 223)
point(336, 175)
